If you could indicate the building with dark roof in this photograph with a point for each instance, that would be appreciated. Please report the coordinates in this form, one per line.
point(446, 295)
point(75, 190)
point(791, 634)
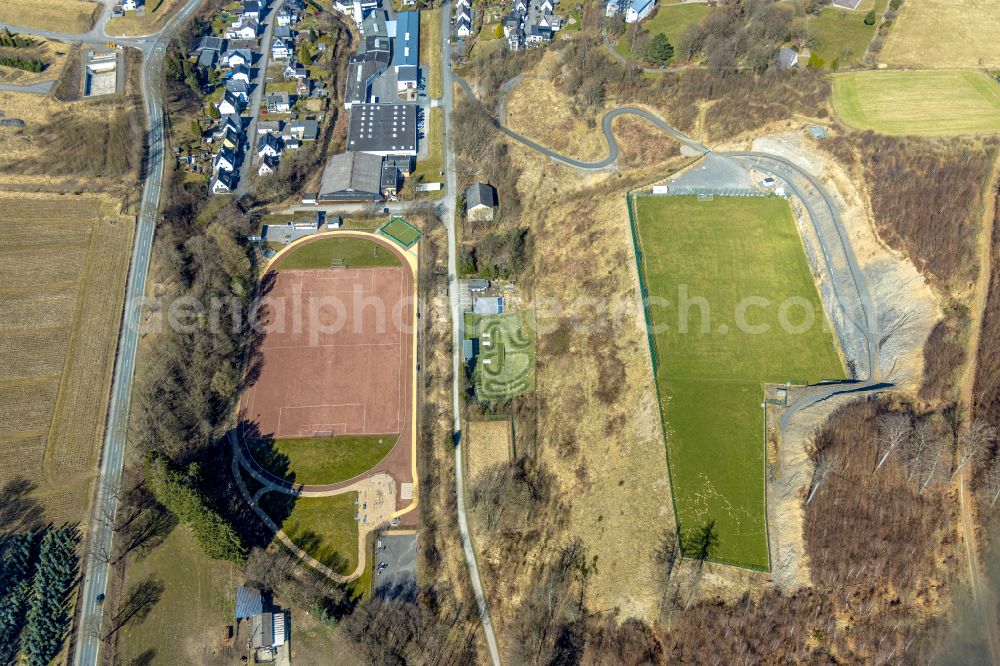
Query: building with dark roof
point(480, 201)
point(383, 129)
point(351, 176)
point(377, 49)
point(361, 72)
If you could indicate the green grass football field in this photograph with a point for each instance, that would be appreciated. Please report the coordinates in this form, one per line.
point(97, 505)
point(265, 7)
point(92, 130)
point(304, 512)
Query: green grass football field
point(348, 251)
point(927, 103)
point(742, 260)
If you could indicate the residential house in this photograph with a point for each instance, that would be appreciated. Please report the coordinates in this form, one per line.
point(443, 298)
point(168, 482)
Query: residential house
point(278, 102)
point(207, 59)
point(295, 71)
point(266, 126)
point(225, 160)
point(283, 32)
point(638, 10)
point(511, 23)
point(286, 17)
point(480, 202)
point(224, 181)
point(246, 29)
point(251, 9)
point(302, 88)
point(230, 104)
point(538, 34)
point(550, 21)
point(281, 49)
point(407, 40)
point(241, 73)
point(463, 11)
point(231, 121)
point(303, 130)
point(521, 6)
point(614, 7)
point(270, 144)
point(463, 27)
point(545, 6)
point(236, 57)
point(292, 143)
point(209, 44)
point(351, 176)
point(267, 165)
point(231, 139)
point(131, 5)
point(515, 39)
point(239, 88)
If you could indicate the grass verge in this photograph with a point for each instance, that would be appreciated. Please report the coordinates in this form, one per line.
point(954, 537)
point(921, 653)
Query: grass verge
point(69, 16)
point(429, 169)
point(430, 50)
point(714, 259)
point(325, 528)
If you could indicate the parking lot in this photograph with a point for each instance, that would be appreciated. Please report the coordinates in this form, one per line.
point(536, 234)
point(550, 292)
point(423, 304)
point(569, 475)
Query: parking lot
point(395, 563)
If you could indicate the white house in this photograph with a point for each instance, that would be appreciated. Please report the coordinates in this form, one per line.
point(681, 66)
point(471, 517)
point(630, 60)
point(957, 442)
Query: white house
point(269, 145)
point(285, 17)
point(251, 9)
point(281, 50)
point(463, 27)
point(462, 11)
point(230, 104)
point(245, 30)
point(131, 5)
point(278, 102)
point(267, 165)
point(638, 10)
point(545, 6)
point(225, 160)
point(224, 181)
point(241, 73)
point(236, 57)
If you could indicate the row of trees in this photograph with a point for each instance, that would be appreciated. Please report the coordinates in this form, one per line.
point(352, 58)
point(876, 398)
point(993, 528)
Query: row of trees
point(15, 41)
point(180, 492)
point(38, 571)
point(27, 64)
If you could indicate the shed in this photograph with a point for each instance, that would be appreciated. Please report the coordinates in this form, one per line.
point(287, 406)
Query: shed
point(480, 201)
point(248, 602)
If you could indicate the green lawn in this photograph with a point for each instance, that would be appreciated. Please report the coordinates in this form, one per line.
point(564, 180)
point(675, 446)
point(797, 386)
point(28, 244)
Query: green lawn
point(328, 460)
point(430, 50)
point(929, 103)
point(196, 602)
point(671, 20)
point(712, 369)
point(401, 231)
point(505, 364)
point(324, 527)
point(354, 252)
point(429, 169)
point(840, 37)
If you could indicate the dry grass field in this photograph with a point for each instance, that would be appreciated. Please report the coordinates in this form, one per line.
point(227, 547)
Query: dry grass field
point(70, 16)
point(53, 54)
point(558, 127)
point(488, 443)
point(87, 145)
point(157, 14)
point(61, 287)
point(945, 34)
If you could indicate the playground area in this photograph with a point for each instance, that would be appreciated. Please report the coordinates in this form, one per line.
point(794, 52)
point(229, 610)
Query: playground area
point(502, 349)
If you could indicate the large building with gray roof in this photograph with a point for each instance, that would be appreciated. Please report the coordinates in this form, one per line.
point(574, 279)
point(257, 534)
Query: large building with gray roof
point(383, 129)
point(352, 176)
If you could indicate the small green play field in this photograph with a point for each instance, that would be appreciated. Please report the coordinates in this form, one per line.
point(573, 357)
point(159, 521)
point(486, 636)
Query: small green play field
point(733, 306)
point(401, 231)
point(337, 252)
point(311, 460)
point(504, 359)
point(925, 103)
point(324, 527)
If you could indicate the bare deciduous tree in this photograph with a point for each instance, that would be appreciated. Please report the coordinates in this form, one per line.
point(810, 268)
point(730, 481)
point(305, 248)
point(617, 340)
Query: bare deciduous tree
point(973, 442)
point(893, 430)
point(923, 452)
point(827, 463)
point(991, 481)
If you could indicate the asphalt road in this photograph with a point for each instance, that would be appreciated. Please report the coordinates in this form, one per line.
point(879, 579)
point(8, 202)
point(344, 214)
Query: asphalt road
point(254, 102)
point(100, 535)
point(447, 210)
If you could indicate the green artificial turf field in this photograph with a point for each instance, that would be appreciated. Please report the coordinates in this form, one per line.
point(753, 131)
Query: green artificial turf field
point(310, 460)
point(930, 103)
point(350, 251)
point(710, 378)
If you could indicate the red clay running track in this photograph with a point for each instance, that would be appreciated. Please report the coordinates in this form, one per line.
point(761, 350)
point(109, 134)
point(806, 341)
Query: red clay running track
point(337, 359)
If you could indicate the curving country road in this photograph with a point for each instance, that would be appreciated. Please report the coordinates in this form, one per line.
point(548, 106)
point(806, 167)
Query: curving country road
point(87, 647)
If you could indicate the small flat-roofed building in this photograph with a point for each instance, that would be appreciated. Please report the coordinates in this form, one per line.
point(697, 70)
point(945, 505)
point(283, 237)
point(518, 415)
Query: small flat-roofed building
point(407, 39)
point(351, 176)
point(383, 129)
point(406, 78)
point(390, 179)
